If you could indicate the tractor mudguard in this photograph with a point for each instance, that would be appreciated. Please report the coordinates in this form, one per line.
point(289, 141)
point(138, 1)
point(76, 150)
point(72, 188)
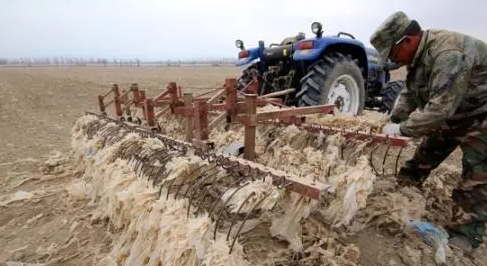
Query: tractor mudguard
point(254, 53)
point(319, 45)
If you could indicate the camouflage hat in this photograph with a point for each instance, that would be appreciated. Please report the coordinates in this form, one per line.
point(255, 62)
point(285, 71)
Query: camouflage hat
point(389, 32)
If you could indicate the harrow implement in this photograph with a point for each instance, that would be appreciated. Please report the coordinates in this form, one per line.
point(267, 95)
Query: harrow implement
point(204, 185)
point(221, 173)
point(202, 113)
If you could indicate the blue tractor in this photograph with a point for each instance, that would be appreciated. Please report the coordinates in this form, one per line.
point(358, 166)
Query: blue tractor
point(325, 69)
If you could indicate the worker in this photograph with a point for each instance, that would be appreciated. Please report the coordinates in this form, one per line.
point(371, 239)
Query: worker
point(444, 103)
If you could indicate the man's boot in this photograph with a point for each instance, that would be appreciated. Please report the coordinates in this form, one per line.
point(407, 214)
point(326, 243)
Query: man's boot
point(411, 174)
point(467, 237)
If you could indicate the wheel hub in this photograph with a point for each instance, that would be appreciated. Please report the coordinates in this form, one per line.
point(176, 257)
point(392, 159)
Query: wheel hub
point(343, 93)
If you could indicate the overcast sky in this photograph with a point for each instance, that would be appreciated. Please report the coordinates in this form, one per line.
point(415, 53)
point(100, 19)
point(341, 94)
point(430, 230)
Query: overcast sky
point(163, 29)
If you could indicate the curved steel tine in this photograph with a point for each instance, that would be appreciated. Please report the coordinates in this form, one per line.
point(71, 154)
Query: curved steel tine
point(200, 177)
point(155, 180)
point(162, 174)
point(220, 212)
point(384, 160)
point(223, 192)
point(134, 147)
point(207, 192)
point(155, 155)
point(170, 184)
point(246, 218)
point(238, 211)
point(186, 177)
point(141, 160)
point(196, 189)
point(397, 161)
point(370, 158)
point(174, 179)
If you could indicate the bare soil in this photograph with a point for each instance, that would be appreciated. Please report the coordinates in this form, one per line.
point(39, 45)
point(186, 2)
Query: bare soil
point(38, 107)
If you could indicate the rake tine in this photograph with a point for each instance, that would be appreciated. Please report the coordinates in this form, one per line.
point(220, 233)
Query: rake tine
point(397, 161)
point(162, 160)
point(150, 164)
point(159, 173)
point(124, 147)
point(384, 160)
point(238, 211)
point(207, 192)
point(201, 177)
point(370, 158)
point(140, 160)
point(162, 170)
point(195, 190)
point(170, 185)
point(217, 201)
point(246, 218)
point(219, 215)
point(172, 181)
point(186, 177)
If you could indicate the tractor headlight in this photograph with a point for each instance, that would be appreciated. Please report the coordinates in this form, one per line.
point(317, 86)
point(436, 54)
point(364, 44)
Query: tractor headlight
point(239, 44)
point(316, 28)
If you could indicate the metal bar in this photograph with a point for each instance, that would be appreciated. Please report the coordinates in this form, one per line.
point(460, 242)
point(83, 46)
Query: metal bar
point(135, 92)
point(277, 93)
point(173, 92)
point(231, 98)
point(188, 103)
point(375, 137)
point(108, 92)
point(161, 96)
point(295, 111)
point(252, 87)
point(201, 120)
point(217, 120)
point(165, 109)
point(149, 113)
point(101, 104)
point(142, 101)
point(215, 97)
point(126, 103)
point(260, 103)
point(275, 101)
point(250, 128)
point(206, 93)
point(118, 101)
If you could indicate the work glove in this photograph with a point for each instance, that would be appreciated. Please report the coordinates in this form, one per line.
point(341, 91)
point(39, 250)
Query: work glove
point(391, 129)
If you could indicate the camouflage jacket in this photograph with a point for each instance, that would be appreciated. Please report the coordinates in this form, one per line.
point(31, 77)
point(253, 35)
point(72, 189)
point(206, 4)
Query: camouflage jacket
point(446, 82)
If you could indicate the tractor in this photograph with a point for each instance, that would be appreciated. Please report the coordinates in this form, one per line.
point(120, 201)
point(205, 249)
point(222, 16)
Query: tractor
point(335, 69)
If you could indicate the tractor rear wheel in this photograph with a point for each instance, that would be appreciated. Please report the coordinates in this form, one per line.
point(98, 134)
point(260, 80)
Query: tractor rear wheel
point(390, 93)
point(336, 79)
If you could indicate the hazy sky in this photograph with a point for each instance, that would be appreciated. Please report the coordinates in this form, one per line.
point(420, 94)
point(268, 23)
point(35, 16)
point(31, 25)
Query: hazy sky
point(162, 29)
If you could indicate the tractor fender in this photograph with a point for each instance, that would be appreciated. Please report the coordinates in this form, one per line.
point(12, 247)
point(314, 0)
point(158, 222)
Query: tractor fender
point(320, 45)
point(254, 53)
point(325, 45)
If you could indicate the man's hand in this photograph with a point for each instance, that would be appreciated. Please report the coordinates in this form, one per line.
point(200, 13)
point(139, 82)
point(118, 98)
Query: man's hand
point(391, 129)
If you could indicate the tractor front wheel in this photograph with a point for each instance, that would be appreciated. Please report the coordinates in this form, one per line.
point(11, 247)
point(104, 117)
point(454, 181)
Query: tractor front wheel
point(245, 78)
point(336, 79)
